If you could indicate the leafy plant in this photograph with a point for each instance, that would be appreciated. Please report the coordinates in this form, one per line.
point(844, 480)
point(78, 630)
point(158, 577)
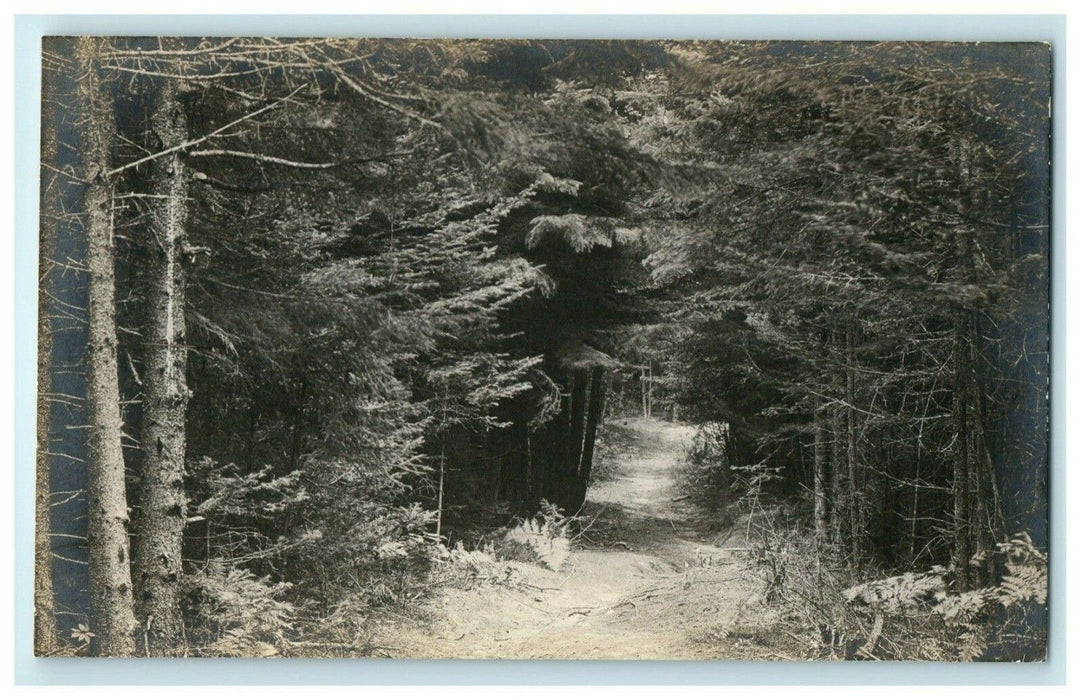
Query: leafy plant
point(233, 612)
point(1005, 621)
point(547, 534)
point(82, 634)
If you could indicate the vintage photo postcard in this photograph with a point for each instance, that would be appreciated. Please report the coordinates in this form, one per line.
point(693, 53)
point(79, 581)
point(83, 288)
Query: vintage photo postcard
point(543, 349)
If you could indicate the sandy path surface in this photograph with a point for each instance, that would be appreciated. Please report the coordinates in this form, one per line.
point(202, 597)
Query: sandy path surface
point(642, 583)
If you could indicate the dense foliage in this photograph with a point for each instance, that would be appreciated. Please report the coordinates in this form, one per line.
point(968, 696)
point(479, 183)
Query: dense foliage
point(411, 271)
point(869, 306)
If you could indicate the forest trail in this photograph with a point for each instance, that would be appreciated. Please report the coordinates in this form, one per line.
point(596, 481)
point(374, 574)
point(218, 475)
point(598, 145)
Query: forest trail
point(645, 581)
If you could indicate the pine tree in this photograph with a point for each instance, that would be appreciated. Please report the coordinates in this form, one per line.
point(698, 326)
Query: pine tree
point(113, 620)
point(45, 623)
point(848, 205)
point(161, 522)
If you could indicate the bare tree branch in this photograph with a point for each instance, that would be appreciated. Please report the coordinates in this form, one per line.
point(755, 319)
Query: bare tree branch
point(193, 142)
point(219, 152)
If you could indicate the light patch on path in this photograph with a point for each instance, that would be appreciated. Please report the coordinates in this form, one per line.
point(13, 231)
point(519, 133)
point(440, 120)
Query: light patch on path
point(644, 583)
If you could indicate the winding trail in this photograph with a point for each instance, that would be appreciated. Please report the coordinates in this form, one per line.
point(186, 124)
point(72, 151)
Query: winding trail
point(643, 582)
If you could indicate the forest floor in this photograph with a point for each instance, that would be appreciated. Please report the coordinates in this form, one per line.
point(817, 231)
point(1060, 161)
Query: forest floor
point(647, 579)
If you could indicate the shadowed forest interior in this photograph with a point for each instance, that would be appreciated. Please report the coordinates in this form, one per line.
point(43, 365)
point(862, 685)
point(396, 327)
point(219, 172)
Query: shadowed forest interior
point(562, 349)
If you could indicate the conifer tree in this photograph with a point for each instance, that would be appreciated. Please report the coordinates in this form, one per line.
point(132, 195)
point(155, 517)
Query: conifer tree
point(113, 620)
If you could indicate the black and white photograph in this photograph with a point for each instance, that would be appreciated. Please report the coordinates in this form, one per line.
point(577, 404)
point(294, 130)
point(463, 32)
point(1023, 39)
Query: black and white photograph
point(543, 349)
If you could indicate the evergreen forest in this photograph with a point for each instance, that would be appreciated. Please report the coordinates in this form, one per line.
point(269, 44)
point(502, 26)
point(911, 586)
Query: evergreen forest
point(563, 349)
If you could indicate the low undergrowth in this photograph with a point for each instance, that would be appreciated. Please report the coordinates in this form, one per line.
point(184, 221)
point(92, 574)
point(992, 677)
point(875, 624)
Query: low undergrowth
point(827, 608)
point(818, 604)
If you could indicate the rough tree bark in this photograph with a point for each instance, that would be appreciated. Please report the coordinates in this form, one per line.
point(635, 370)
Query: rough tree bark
point(113, 621)
point(45, 626)
point(161, 517)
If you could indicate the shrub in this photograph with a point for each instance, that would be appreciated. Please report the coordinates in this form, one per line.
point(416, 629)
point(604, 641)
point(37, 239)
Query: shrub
point(913, 615)
point(546, 534)
point(232, 612)
point(707, 469)
point(1007, 621)
point(544, 538)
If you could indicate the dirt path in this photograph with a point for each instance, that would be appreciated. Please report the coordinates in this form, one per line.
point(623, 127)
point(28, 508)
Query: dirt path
point(642, 583)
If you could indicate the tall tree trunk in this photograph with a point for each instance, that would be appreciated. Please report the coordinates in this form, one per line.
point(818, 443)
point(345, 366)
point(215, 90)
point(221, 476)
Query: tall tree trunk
point(441, 487)
point(852, 469)
point(113, 621)
point(576, 442)
point(915, 491)
point(995, 524)
point(597, 394)
point(819, 479)
point(555, 456)
point(650, 389)
point(644, 386)
point(989, 521)
point(961, 517)
point(161, 519)
point(835, 479)
point(45, 624)
point(298, 415)
point(976, 501)
point(529, 489)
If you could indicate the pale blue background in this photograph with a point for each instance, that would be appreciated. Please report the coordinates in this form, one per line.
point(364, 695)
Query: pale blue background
point(28, 670)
